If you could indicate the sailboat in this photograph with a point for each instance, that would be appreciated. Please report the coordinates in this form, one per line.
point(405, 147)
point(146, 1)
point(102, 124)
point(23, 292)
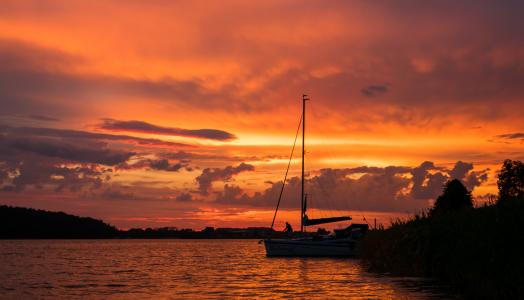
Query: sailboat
point(341, 243)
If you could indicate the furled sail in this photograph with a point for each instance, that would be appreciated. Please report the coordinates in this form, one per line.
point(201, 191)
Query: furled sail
point(311, 222)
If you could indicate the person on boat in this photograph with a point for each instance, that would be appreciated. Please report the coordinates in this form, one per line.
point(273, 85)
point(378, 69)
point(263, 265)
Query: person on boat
point(288, 228)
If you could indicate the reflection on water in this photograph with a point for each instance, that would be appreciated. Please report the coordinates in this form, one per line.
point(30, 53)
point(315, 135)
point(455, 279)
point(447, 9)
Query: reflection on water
point(186, 269)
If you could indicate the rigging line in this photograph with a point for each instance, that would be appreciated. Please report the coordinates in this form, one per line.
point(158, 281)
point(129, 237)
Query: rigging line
point(287, 171)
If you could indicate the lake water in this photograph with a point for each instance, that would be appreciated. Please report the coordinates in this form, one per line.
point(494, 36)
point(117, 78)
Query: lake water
point(183, 269)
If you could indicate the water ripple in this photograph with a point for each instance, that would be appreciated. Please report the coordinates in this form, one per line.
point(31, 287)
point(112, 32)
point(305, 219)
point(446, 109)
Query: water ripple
point(182, 269)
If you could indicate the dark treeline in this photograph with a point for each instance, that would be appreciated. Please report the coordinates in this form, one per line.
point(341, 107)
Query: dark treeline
point(478, 250)
point(28, 223)
point(18, 222)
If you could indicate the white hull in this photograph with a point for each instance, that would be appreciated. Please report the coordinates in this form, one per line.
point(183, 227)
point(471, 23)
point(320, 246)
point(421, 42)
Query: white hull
point(307, 247)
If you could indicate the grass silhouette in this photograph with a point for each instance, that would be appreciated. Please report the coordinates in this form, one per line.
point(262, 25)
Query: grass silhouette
point(480, 250)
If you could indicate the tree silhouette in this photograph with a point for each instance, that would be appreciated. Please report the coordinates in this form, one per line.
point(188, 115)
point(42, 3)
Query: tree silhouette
point(455, 196)
point(19, 222)
point(511, 181)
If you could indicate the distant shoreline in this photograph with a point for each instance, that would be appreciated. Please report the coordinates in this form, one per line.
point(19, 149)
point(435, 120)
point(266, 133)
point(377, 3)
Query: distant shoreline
point(118, 238)
point(19, 223)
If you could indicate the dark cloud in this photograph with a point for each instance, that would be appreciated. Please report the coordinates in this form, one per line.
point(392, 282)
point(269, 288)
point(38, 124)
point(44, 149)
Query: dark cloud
point(144, 127)
point(38, 173)
point(232, 194)
point(374, 90)
point(474, 179)
point(77, 134)
point(70, 160)
point(393, 188)
point(55, 143)
point(333, 189)
point(154, 164)
point(68, 151)
point(511, 136)
point(460, 170)
point(428, 180)
point(366, 170)
point(427, 185)
point(464, 172)
point(184, 197)
point(516, 135)
point(209, 175)
point(40, 162)
point(164, 165)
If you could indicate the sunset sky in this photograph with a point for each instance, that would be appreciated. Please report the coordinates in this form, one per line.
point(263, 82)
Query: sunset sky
point(183, 113)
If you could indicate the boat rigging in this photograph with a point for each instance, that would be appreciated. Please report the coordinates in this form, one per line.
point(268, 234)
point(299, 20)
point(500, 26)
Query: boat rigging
point(340, 244)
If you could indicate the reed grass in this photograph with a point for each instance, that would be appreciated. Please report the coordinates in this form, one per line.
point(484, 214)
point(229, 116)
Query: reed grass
point(480, 251)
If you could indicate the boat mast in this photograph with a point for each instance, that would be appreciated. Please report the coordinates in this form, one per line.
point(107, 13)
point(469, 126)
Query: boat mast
point(303, 211)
